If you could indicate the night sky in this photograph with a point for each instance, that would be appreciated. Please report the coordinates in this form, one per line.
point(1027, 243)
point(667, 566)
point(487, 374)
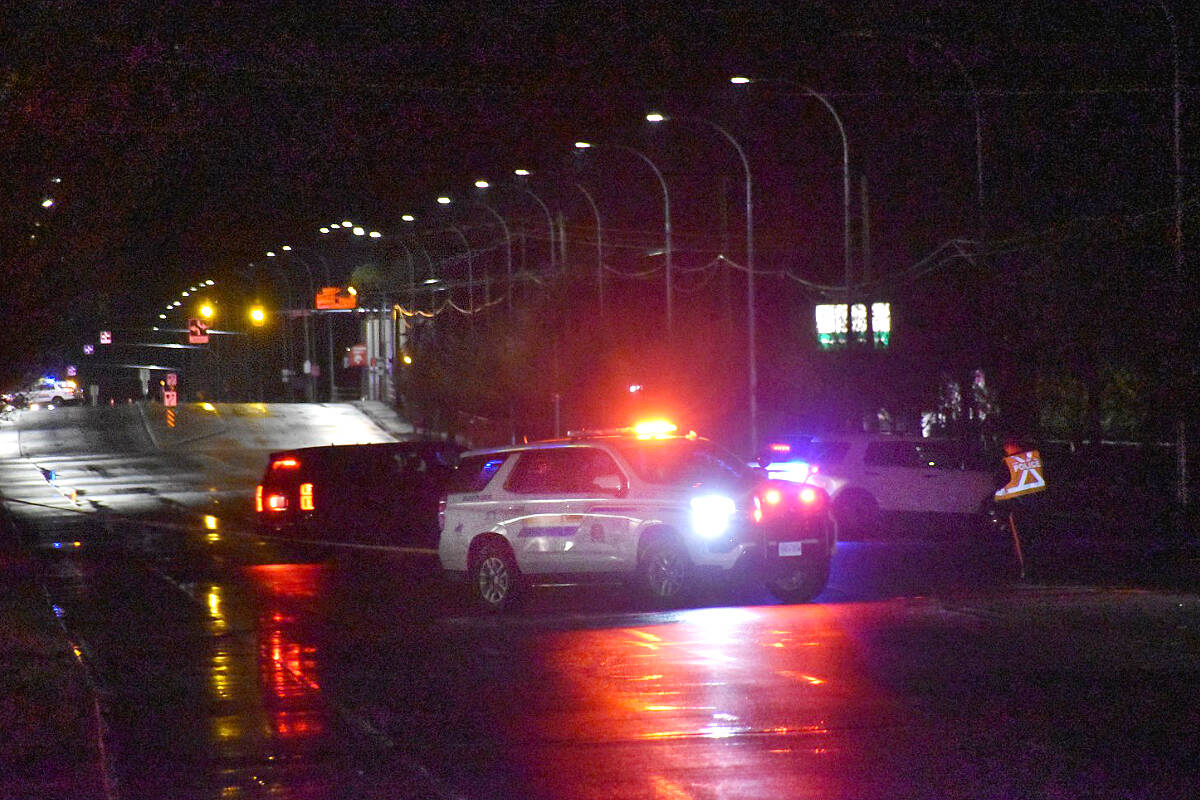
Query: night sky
point(191, 136)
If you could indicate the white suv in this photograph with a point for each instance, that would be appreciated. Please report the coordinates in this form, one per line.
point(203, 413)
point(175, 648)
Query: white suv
point(865, 474)
point(658, 510)
point(51, 392)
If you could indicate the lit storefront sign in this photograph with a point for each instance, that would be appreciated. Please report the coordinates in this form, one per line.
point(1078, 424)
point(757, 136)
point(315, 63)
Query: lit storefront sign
point(839, 325)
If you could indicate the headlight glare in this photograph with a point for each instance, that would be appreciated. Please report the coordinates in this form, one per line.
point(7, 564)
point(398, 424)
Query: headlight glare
point(711, 515)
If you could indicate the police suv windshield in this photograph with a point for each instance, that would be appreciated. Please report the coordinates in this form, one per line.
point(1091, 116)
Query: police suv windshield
point(683, 462)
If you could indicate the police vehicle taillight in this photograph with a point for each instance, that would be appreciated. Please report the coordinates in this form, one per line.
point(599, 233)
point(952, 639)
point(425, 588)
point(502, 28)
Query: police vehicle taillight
point(810, 496)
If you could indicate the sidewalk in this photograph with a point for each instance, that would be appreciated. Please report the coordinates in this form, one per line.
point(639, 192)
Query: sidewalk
point(385, 417)
point(48, 739)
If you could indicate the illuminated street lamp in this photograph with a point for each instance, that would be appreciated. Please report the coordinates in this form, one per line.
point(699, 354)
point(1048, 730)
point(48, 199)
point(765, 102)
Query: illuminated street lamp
point(258, 315)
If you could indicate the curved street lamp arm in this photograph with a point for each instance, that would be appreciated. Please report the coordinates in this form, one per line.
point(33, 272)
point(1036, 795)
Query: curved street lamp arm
point(507, 252)
point(599, 246)
point(666, 228)
point(967, 79)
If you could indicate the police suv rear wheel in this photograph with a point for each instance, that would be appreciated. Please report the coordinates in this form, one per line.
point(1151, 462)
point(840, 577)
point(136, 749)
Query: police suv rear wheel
point(494, 577)
point(801, 586)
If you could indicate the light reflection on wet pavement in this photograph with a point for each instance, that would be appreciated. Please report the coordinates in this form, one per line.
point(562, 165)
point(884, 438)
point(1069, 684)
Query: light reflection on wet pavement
point(234, 671)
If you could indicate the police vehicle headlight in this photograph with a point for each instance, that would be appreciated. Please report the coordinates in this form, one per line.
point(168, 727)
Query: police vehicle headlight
point(712, 515)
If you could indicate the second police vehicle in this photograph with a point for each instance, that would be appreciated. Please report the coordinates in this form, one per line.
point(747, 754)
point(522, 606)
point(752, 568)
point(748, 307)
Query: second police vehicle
point(644, 504)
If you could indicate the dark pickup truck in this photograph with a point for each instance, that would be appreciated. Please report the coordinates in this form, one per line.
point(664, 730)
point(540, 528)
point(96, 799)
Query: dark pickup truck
point(364, 494)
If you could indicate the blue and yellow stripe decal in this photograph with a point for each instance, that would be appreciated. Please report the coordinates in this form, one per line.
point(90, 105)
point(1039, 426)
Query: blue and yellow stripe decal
point(551, 525)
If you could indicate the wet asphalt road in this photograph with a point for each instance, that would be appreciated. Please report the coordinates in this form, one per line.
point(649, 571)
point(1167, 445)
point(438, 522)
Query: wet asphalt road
point(229, 667)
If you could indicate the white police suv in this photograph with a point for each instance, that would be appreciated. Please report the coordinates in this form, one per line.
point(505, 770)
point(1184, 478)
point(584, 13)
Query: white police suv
point(642, 503)
point(48, 391)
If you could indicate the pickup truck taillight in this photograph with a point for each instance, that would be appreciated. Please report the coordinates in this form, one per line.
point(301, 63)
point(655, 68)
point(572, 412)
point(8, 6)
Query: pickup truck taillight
point(306, 497)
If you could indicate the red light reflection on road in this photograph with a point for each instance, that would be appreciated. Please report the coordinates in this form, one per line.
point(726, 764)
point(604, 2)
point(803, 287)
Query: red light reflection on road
point(288, 665)
point(765, 679)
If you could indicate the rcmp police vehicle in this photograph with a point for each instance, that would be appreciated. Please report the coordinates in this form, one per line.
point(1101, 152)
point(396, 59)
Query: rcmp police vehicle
point(643, 504)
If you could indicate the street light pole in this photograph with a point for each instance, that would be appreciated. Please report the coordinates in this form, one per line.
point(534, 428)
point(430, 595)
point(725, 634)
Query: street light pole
point(482, 184)
point(470, 276)
point(847, 260)
point(666, 224)
point(599, 248)
point(524, 173)
point(752, 365)
point(309, 389)
point(976, 107)
point(1181, 469)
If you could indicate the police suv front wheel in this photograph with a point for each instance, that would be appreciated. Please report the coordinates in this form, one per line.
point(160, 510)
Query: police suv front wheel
point(665, 569)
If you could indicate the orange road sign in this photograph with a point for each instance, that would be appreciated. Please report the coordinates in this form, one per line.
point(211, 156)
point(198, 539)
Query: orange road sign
point(197, 331)
point(1025, 475)
point(335, 297)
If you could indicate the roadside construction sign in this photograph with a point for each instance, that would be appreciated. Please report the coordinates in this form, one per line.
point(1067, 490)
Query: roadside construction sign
point(1025, 475)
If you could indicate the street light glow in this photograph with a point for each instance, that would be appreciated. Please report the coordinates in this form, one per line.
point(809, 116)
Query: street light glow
point(49, 201)
point(206, 311)
point(582, 145)
point(347, 223)
point(407, 217)
point(739, 79)
point(375, 235)
point(208, 282)
point(443, 200)
point(654, 116)
point(324, 230)
point(359, 230)
point(286, 247)
point(481, 184)
point(270, 254)
point(522, 172)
